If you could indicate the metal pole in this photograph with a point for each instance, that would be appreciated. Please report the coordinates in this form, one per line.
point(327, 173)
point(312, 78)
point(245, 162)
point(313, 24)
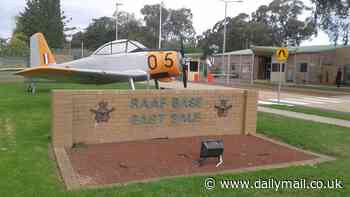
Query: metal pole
point(224, 44)
point(70, 47)
point(279, 84)
point(160, 24)
point(148, 81)
point(116, 20)
point(225, 29)
point(131, 83)
point(82, 48)
point(224, 41)
point(228, 69)
point(252, 69)
point(295, 68)
point(240, 69)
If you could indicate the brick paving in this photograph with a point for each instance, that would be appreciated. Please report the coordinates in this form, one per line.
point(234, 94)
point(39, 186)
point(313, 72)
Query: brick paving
point(104, 164)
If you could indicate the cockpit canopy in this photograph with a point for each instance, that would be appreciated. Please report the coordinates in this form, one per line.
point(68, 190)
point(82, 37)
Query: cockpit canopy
point(119, 47)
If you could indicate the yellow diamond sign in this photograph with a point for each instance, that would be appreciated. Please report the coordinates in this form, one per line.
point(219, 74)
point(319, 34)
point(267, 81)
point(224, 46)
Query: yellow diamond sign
point(282, 54)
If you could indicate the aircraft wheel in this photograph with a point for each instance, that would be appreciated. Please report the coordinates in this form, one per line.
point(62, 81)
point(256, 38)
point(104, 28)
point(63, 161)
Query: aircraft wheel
point(29, 89)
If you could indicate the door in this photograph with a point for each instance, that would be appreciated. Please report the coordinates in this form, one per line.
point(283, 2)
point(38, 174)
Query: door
point(347, 74)
point(290, 75)
point(275, 73)
point(194, 71)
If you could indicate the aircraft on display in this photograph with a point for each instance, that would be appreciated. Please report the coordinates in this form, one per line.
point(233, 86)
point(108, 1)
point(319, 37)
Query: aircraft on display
point(116, 61)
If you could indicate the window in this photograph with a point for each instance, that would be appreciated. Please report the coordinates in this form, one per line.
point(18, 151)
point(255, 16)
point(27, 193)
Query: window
point(303, 67)
point(233, 67)
point(246, 68)
point(118, 48)
point(137, 45)
point(112, 48)
point(276, 67)
point(131, 47)
point(193, 66)
point(105, 50)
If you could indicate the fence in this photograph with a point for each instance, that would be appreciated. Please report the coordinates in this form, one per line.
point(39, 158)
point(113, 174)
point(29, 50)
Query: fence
point(10, 62)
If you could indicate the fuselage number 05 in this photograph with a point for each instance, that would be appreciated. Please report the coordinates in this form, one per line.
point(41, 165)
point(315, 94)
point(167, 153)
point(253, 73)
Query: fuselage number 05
point(153, 61)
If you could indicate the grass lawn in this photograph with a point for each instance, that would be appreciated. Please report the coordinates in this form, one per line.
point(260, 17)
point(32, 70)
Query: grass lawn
point(26, 169)
point(313, 111)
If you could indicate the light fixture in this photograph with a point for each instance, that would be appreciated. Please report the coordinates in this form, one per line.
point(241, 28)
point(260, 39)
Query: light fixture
point(210, 149)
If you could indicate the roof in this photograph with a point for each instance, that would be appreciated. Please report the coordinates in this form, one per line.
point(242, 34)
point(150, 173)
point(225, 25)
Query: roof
point(240, 52)
point(301, 49)
point(270, 50)
point(194, 54)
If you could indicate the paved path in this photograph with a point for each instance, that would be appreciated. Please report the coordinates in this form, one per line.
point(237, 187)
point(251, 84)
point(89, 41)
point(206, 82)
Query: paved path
point(314, 118)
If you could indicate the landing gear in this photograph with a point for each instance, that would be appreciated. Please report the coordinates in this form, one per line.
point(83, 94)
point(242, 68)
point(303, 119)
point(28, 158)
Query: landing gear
point(31, 88)
point(131, 84)
point(156, 82)
point(148, 79)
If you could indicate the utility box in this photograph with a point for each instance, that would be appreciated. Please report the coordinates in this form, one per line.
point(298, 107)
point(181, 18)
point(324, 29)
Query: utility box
point(212, 148)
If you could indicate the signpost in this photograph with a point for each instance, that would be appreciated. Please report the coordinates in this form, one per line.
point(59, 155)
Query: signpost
point(282, 56)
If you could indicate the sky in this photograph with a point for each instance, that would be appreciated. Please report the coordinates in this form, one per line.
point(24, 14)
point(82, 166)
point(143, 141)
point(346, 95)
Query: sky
point(205, 12)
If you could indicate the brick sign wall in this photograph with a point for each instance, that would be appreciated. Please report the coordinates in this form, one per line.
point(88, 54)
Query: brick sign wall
point(114, 116)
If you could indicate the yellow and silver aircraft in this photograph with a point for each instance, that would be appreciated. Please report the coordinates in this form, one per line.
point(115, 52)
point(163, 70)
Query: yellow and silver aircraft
point(116, 61)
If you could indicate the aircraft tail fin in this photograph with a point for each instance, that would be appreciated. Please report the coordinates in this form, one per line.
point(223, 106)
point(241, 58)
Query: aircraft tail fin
point(40, 53)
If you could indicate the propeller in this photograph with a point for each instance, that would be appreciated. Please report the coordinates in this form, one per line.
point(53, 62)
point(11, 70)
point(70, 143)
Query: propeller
point(183, 63)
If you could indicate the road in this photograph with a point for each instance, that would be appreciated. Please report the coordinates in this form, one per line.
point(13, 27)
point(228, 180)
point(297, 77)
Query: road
point(322, 100)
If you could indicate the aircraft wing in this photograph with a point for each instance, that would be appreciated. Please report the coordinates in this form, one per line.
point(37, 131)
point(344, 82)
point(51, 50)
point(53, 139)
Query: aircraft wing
point(78, 75)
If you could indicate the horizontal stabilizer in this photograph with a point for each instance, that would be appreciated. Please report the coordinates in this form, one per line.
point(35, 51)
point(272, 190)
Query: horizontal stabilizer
point(13, 69)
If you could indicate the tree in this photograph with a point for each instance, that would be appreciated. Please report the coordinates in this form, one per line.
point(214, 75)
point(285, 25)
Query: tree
point(282, 17)
point(179, 24)
point(241, 33)
point(237, 29)
point(3, 44)
point(260, 34)
point(100, 31)
point(274, 24)
point(151, 17)
point(42, 16)
point(175, 24)
point(16, 47)
point(77, 38)
point(131, 28)
point(332, 16)
point(209, 41)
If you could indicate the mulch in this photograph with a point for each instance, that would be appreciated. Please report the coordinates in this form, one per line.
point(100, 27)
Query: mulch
point(103, 164)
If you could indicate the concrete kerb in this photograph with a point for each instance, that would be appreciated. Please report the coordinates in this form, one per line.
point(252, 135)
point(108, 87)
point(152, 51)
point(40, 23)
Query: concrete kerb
point(66, 169)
